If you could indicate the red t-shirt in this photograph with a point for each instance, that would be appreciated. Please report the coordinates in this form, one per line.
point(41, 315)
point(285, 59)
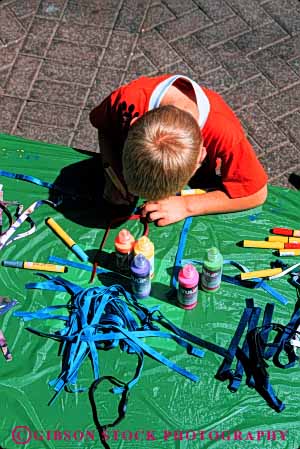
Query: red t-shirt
point(223, 136)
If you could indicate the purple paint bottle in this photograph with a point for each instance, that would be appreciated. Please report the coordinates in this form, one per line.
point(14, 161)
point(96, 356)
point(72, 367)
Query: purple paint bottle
point(187, 295)
point(140, 276)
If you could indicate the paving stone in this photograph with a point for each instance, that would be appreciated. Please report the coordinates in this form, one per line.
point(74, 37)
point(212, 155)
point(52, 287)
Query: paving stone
point(249, 92)
point(50, 114)
point(51, 8)
point(131, 15)
point(58, 92)
point(85, 136)
point(288, 49)
point(254, 16)
point(4, 73)
point(157, 49)
point(261, 128)
point(24, 7)
point(86, 35)
point(187, 24)
point(139, 66)
point(10, 108)
point(276, 162)
point(43, 133)
point(261, 37)
point(92, 12)
point(156, 15)
point(218, 80)
point(216, 10)
point(8, 54)
point(234, 61)
point(26, 21)
point(119, 50)
point(106, 81)
point(282, 103)
point(275, 69)
point(295, 64)
point(286, 13)
point(222, 32)
point(71, 73)
point(291, 126)
point(72, 52)
point(196, 56)
point(257, 148)
point(179, 7)
point(39, 37)
point(284, 180)
point(179, 67)
point(11, 29)
point(22, 76)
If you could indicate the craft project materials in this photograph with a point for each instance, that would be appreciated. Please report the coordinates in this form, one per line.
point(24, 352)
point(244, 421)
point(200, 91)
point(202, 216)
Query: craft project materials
point(262, 244)
point(187, 294)
point(22, 216)
point(140, 276)
point(292, 245)
point(102, 317)
point(261, 273)
point(191, 192)
point(134, 216)
point(212, 270)
point(144, 246)
point(285, 271)
point(286, 231)
point(4, 347)
point(34, 266)
point(67, 240)
point(6, 304)
point(123, 250)
point(1, 200)
point(289, 252)
point(283, 238)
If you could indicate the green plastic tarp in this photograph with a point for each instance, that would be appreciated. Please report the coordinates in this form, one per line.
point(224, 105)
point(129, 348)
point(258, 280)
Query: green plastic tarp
point(165, 410)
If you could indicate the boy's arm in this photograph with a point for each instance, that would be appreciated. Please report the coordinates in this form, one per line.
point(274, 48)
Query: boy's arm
point(176, 208)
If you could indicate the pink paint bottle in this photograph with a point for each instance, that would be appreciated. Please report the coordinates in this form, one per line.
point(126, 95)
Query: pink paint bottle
point(188, 279)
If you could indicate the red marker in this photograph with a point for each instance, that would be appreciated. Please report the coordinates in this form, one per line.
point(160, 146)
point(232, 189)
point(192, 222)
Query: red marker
point(286, 231)
point(292, 246)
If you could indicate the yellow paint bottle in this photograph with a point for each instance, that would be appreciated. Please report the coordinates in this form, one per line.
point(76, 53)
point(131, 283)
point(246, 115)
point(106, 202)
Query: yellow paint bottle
point(144, 246)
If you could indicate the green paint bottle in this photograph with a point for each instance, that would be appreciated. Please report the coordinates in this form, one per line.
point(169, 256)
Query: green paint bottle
point(212, 270)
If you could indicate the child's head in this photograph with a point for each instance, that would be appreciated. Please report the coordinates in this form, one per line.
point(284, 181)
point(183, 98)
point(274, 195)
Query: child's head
point(161, 153)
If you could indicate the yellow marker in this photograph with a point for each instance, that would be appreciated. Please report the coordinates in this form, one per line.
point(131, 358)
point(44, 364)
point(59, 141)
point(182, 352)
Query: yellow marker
point(192, 192)
point(278, 238)
point(262, 244)
point(261, 273)
point(67, 239)
point(294, 239)
point(283, 238)
point(289, 252)
point(35, 266)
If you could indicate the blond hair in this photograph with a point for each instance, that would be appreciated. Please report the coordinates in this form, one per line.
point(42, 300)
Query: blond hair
point(161, 152)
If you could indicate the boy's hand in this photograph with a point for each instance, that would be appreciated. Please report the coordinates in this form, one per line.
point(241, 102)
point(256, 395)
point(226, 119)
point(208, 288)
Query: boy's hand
point(165, 212)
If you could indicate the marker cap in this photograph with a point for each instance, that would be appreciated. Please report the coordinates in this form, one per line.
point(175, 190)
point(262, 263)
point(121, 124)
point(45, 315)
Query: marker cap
point(80, 253)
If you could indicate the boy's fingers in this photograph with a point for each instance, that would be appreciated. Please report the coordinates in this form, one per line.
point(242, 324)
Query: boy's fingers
point(153, 216)
point(148, 207)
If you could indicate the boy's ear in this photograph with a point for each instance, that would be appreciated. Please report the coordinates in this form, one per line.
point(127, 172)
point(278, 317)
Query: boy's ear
point(202, 154)
point(133, 121)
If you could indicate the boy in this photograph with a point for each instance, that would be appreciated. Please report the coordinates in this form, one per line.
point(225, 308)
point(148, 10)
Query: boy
point(163, 132)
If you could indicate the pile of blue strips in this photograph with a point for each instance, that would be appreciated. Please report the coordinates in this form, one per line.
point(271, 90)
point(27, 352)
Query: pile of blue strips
point(102, 318)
